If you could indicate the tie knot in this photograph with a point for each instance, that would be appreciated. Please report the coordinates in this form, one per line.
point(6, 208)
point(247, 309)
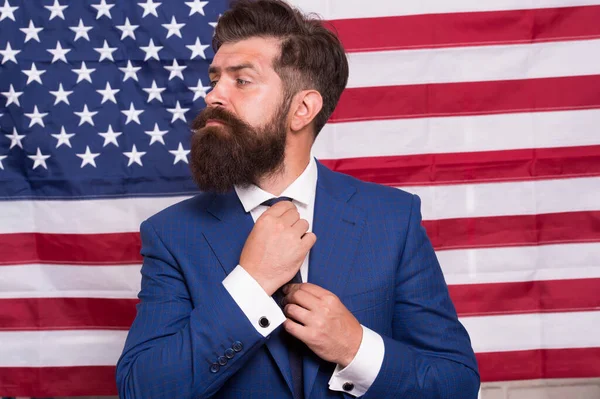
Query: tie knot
point(273, 201)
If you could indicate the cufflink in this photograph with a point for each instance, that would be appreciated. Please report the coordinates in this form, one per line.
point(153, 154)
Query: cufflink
point(264, 322)
point(348, 386)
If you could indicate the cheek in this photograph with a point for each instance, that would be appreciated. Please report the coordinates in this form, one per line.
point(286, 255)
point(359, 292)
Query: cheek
point(258, 110)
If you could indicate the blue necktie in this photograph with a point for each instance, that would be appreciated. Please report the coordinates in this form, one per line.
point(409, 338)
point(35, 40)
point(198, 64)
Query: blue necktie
point(295, 346)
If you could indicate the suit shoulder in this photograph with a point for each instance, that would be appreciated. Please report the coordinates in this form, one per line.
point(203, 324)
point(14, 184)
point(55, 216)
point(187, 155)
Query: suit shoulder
point(180, 210)
point(367, 192)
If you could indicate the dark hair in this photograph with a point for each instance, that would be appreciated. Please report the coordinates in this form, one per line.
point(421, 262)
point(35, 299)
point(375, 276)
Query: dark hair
point(312, 56)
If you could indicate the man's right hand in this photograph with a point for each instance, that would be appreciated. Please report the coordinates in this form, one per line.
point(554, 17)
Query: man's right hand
point(277, 246)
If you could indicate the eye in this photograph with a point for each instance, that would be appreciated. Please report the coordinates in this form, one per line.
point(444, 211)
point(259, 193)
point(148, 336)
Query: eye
point(213, 83)
point(242, 82)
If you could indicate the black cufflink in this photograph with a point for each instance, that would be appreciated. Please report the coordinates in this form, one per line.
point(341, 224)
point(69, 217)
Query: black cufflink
point(348, 386)
point(264, 322)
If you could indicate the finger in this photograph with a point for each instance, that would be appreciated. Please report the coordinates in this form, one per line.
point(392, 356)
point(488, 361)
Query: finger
point(290, 217)
point(297, 313)
point(296, 329)
point(301, 227)
point(315, 290)
point(308, 240)
point(302, 298)
point(280, 208)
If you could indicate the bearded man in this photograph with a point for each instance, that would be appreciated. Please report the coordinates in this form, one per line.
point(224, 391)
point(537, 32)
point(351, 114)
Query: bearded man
point(283, 279)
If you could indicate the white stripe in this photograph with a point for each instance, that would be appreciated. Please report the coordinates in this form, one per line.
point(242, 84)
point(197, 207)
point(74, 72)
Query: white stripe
point(458, 134)
point(60, 281)
point(80, 217)
point(474, 63)
point(514, 264)
point(488, 334)
point(60, 348)
point(465, 266)
point(504, 199)
point(533, 331)
point(438, 202)
point(342, 9)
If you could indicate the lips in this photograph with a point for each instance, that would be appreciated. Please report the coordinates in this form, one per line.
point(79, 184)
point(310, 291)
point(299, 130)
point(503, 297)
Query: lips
point(214, 122)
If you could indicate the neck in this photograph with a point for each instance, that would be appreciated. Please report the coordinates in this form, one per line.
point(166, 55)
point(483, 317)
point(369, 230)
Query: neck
point(297, 157)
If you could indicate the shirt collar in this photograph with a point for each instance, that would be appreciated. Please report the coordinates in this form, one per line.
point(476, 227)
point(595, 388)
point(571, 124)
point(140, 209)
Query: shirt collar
point(302, 190)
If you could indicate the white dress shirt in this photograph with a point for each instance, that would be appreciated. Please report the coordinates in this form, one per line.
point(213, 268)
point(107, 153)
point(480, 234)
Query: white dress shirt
point(256, 304)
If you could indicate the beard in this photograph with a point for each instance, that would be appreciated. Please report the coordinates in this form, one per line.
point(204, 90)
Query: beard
point(235, 153)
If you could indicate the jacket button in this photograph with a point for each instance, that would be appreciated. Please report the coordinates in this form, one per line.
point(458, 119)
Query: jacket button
point(237, 346)
point(222, 360)
point(348, 386)
point(264, 322)
point(229, 353)
point(214, 368)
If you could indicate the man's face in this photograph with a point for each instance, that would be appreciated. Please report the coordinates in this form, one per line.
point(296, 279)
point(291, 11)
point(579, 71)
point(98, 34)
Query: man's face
point(241, 135)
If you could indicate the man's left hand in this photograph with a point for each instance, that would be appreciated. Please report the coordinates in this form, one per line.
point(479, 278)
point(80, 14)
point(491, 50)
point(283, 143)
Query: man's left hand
point(318, 318)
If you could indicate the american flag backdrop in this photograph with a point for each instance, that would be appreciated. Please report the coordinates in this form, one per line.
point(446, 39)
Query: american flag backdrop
point(488, 110)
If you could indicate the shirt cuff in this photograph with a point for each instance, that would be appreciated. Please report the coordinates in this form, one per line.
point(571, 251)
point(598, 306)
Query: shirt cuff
point(262, 310)
point(356, 378)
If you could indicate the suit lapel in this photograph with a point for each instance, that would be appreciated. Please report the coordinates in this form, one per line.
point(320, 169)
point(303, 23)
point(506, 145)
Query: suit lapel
point(338, 227)
point(227, 238)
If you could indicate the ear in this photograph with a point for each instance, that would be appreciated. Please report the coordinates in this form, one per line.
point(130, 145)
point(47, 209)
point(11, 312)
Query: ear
point(305, 106)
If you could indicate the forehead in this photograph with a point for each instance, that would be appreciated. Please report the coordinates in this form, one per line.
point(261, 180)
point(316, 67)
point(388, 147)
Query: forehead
point(257, 50)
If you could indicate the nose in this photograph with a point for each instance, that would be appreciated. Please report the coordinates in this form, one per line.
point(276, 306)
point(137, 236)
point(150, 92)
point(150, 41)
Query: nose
point(216, 96)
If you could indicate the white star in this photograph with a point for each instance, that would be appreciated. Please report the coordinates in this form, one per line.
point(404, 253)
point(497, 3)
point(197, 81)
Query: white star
point(196, 6)
point(81, 31)
point(132, 114)
point(106, 52)
point(31, 32)
point(127, 29)
point(134, 156)
point(1, 158)
point(180, 154)
point(154, 92)
point(63, 138)
point(108, 94)
point(15, 138)
point(178, 112)
point(149, 8)
point(151, 50)
point(156, 134)
point(61, 95)
point(12, 96)
point(130, 71)
point(197, 49)
point(9, 54)
point(84, 73)
point(36, 117)
point(214, 24)
point(175, 70)
point(86, 116)
point(103, 9)
point(39, 159)
point(173, 28)
point(34, 74)
point(59, 53)
point(88, 158)
point(7, 11)
point(56, 10)
point(199, 91)
point(110, 137)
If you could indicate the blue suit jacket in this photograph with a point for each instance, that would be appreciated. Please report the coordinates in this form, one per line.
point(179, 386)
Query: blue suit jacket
point(371, 251)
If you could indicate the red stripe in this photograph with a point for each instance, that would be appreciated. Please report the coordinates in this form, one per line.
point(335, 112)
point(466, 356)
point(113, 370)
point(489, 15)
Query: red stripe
point(468, 98)
point(89, 249)
point(473, 167)
point(469, 28)
point(539, 364)
point(495, 366)
point(526, 297)
point(504, 231)
point(28, 314)
point(66, 313)
point(481, 232)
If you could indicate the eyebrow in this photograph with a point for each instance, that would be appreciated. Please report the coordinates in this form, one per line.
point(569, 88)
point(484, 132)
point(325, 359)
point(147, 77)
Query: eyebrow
point(234, 68)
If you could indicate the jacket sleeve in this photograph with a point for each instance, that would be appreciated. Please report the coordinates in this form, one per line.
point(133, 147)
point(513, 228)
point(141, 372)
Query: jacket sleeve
point(172, 348)
point(429, 355)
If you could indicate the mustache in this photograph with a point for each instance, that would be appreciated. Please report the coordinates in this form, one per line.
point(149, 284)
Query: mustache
point(216, 113)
